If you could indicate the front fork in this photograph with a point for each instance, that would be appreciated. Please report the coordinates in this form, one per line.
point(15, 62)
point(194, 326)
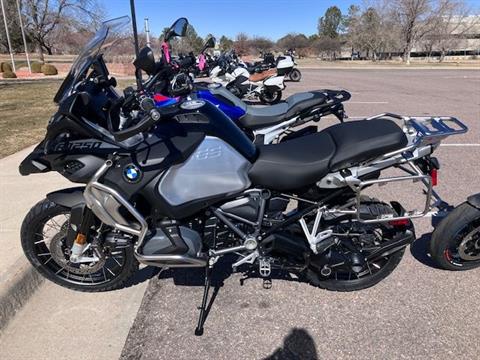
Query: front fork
point(81, 220)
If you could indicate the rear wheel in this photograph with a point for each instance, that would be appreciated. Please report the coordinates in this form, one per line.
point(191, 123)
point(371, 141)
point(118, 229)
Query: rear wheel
point(350, 263)
point(295, 75)
point(455, 243)
point(269, 97)
point(43, 237)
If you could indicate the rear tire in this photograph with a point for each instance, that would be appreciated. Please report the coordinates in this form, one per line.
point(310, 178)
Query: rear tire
point(462, 222)
point(270, 98)
point(295, 75)
point(32, 245)
point(357, 284)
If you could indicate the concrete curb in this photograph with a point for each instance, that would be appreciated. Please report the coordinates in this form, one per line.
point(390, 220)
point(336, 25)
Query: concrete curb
point(18, 285)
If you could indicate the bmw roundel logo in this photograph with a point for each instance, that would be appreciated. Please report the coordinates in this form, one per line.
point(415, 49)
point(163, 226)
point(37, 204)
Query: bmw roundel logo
point(132, 174)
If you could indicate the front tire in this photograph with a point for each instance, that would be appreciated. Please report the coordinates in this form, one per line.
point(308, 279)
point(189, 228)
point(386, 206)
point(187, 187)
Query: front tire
point(270, 98)
point(43, 236)
point(295, 75)
point(455, 243)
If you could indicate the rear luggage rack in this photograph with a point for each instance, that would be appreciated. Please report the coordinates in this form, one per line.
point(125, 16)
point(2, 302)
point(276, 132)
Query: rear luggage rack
point(430, 129)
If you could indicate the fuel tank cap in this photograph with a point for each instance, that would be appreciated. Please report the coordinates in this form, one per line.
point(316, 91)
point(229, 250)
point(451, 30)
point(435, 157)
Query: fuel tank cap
point(192, 104)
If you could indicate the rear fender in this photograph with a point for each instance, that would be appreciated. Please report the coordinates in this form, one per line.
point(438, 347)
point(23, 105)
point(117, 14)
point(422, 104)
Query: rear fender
point(474, 200)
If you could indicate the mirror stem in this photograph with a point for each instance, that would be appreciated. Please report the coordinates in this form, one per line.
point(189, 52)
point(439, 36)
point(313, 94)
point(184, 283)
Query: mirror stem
point(138, 72)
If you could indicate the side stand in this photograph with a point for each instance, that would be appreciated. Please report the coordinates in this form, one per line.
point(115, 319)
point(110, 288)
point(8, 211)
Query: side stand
point(203, 308)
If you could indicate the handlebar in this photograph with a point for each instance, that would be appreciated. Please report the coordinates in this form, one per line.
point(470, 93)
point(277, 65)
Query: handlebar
point(151, 118)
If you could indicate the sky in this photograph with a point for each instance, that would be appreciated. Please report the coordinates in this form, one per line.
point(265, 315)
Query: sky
point(269, 18)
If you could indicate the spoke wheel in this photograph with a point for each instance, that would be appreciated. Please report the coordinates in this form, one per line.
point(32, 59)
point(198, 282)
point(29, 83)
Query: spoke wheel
point(44, 233)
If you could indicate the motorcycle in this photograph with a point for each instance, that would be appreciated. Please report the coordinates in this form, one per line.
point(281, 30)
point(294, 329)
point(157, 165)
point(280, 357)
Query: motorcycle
point(182, 186)
point(266, 125)
point(264, 85)
point(285, 65)
point(204, 61)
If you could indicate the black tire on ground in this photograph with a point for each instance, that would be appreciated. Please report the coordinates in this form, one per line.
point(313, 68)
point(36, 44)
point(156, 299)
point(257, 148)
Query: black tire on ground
point(449, 234)
point(295, 75)
point(271, 98)
point(356, 284)
point(41, 213)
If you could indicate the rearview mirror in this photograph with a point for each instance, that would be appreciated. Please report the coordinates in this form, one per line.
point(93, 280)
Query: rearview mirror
point(145, 61)
point(210, 43)
point(178, 28)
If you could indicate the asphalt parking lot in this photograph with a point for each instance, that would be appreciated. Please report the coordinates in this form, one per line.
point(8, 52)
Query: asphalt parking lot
point(417, 312)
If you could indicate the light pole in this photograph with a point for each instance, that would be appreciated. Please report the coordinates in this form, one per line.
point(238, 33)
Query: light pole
point(147, 32)
point(23, 36)
point(8, 36)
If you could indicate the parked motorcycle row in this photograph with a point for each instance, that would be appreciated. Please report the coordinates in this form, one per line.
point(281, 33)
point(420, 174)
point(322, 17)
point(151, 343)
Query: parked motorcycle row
point(176, 173)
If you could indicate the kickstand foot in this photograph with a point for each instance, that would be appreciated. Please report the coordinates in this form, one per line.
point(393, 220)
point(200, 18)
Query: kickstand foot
point(203, 307)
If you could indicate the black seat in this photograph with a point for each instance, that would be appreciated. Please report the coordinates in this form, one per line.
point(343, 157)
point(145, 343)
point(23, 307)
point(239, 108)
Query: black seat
point(302, 161)
point(260, 117)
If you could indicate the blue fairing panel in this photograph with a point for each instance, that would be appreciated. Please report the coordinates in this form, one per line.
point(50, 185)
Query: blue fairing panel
point(233, 112)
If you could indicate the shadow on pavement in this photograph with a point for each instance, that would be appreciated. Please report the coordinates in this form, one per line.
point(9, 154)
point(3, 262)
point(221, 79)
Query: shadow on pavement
point(298, 344)
point(420, 249)
point(141, 276)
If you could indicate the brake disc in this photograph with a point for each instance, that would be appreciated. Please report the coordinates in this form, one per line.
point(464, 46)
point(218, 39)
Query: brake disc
point(60, 253)
point(469, 248)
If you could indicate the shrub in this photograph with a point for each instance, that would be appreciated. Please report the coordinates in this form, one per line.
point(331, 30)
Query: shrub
point(5, 67)
point(48, 69)
point(37, 67)
point(9, 75)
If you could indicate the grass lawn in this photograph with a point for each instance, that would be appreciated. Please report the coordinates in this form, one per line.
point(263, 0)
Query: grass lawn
point(25, 109)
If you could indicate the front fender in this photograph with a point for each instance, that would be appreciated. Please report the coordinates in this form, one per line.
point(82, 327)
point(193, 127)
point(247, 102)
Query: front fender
point(474, 200)
point(69, 198)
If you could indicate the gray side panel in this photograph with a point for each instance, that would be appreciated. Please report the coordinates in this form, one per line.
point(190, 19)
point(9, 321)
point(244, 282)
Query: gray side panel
point(214, 169)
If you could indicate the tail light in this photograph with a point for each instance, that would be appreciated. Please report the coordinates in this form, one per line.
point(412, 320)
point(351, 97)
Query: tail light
point(399, 222)
point(434, 176)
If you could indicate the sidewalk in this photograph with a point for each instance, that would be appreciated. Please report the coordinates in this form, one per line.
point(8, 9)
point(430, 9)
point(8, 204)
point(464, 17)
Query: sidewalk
point(50, 313)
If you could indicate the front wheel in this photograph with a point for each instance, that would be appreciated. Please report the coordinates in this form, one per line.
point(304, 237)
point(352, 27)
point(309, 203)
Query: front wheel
point(295, 75)
point(44, 242)
point(271, 97)
point(455, 243)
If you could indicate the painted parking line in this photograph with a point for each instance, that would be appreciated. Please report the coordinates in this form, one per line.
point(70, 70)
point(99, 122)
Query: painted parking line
point(368, 102)
point(460, 145)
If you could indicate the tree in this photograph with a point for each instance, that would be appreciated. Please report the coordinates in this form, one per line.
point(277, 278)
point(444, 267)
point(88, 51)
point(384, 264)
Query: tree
point(190, 42)
point(293, 41)
point(371, 32)
point(13, 24)
point(225, 43)
point(261, 44)
point(352, 24)
point(416, 19)
point(327, 47)
point(329, 24)
point(43, 17)
point(242, 44)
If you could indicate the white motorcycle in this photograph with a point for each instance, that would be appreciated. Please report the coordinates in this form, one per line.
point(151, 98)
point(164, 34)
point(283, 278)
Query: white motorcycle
point(264, 85)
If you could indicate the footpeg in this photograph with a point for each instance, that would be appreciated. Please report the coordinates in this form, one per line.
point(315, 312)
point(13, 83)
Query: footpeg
point(264, 268)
